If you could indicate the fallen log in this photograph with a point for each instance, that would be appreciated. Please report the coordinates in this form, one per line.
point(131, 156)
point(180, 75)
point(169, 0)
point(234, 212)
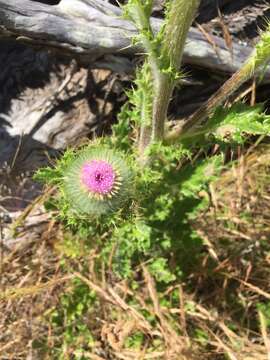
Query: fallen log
point(92, 30)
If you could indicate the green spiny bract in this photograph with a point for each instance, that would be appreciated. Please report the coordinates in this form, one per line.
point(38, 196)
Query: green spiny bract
point(94, 180)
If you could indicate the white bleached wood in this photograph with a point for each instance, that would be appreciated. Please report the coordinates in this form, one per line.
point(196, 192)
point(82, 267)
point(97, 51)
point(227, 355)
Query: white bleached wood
point(93, 29)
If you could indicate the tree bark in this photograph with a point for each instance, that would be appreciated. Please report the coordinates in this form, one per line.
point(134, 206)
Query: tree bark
point(92, 30)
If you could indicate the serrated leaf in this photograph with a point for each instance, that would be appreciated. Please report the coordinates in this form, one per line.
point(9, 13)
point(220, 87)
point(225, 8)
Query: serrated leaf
point(235, 123)
point(194, 179)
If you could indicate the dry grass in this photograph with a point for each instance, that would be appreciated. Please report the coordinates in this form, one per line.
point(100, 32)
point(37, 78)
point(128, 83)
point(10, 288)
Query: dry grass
point(30, 284)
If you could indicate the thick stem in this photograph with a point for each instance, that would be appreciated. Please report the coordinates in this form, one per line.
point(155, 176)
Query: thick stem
point(145, 136)
point(162, 97)
point(137, 13)
point(146, 126)
point(179, 20)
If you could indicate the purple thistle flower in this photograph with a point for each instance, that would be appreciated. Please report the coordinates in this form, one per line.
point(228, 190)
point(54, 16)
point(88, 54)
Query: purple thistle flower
point(98, 176)
point(97, 180)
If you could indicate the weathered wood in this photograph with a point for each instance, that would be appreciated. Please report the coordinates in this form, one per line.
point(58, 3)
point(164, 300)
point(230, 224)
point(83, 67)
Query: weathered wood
point(92, 29)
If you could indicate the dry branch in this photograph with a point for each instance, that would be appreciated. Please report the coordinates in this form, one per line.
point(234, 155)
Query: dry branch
point(92, 29)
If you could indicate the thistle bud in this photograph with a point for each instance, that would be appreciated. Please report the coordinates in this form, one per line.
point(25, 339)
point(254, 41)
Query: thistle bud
point(97, 181)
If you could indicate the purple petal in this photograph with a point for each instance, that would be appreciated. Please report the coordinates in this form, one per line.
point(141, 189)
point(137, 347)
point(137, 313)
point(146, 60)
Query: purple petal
point(98, 176)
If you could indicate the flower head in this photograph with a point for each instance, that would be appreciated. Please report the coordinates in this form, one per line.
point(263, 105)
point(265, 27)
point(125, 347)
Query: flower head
point(98, 177)
point(96, 181)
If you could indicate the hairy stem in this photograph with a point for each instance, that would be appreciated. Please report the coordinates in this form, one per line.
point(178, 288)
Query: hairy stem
point(145, 114)
point(141, 18)
point(163, 92)
point(178, 21)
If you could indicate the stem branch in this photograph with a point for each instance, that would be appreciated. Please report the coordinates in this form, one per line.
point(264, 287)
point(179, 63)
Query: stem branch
point(209, 107)
point(257, 60)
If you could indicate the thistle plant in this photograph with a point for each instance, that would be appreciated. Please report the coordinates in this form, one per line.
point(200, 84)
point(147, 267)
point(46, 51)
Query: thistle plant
point(97, 180)
point(126, 215)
